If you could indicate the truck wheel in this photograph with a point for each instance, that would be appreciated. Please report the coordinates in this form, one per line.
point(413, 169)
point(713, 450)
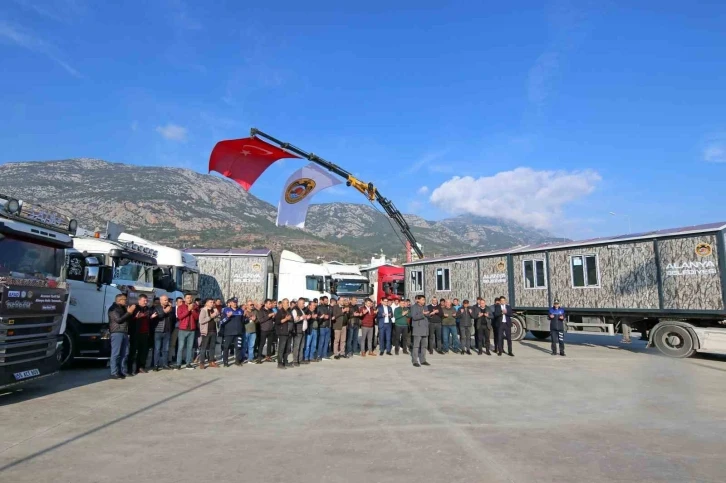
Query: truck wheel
point(518, 329)
point(67, 349)
point(540, 334)
point(674, 341)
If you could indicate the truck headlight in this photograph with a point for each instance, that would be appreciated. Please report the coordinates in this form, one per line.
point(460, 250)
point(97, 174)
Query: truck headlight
point(73, 226)
point(13, 206)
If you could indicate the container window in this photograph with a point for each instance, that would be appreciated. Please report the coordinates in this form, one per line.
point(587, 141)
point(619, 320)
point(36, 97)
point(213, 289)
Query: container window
point(534, 274)
point(585, 271)
point(443, 282)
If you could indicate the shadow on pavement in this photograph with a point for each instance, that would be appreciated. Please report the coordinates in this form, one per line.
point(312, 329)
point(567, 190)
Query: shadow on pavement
point(82, 374)
point(103, 426)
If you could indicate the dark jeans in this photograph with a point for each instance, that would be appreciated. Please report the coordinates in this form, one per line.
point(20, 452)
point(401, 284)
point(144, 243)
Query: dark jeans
point(266, 336)
point(384, 336)
point(311, 344)
point(504, 331)
point(465, 338)
point(228, 342)
point(119, 352)
point(324, 342)
point(173, 343)
point(482, 335)
point(284, 346)
point(449, 331)
point(209, 344)
point(142, 350)
point(557, 336)
point(133, 347)
point(185, 340)
point(434, 336)
point(161, 349)
point(352, 343)
point(400, 338)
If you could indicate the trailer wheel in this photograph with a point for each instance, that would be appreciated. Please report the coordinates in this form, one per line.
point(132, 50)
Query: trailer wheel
point(518, 328)
point(540, 334)
point(674, 341)
point(67, 348)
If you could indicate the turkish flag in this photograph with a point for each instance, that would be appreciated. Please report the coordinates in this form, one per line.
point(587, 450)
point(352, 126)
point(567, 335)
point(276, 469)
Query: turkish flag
point(244, 160)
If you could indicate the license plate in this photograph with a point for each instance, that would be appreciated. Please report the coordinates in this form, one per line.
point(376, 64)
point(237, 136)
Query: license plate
point(19, 376)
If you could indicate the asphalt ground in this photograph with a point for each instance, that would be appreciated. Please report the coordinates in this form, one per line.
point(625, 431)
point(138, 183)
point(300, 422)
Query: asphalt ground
point(605, 413)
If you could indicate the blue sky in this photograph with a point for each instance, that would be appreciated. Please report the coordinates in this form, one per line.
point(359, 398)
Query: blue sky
point(557, 112)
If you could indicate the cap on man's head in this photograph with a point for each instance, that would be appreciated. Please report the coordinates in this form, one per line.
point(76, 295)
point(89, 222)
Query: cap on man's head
point(556, 302)
point(233, 299)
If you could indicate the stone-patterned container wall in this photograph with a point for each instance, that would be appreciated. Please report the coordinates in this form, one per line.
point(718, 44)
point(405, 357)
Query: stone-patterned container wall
point(463, 277)
point(408, 287)
point(493, 277)
point(226, 276)
point(691, 281)
point(528, 297)
point(627, 276)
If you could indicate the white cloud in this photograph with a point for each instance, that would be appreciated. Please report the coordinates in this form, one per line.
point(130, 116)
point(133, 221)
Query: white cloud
point(715, 153)
point(423, 190)
point(25, 39)
point(530, 197)
point(173, 132)
point(425, 160)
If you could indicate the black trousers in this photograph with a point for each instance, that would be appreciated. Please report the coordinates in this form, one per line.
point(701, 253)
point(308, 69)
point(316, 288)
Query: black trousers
point(504, 331)
point(435, 341)
point(133, 349)
point(400, 338)
point(284, 345)
point(267, 336)
point(298, 348)
point(557, 336)
point(465, 337)
point(482, 335)
point(228, 342)
point(208, 345)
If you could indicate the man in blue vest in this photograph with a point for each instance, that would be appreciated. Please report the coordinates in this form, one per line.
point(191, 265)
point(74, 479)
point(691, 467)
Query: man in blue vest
point(557, 327)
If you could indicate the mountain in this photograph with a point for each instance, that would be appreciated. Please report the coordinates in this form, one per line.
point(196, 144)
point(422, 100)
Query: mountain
point(183, 208)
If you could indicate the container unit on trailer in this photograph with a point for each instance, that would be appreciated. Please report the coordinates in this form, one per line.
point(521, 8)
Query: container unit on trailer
point(386, 281)
point(33, 290)
point(176, 273)
point(669, 283)
point(231, 272)
point(123, 267)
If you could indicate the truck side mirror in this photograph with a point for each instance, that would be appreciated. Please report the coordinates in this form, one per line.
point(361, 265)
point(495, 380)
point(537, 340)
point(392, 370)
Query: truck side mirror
point(91, 274)
point(105, 275)
point(370, 289)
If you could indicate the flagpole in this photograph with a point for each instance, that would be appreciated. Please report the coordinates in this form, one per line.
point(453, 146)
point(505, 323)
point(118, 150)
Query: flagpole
point(366, 188)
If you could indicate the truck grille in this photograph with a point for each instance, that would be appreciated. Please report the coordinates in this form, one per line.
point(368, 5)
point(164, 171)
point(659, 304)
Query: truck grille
point(17, 329)
point(26, 351)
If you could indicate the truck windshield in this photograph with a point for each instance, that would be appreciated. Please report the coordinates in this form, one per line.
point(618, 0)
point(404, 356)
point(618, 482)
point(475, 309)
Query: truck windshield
point(28, 259)
point(189, 281)
point(351, 287)
point(134, 272)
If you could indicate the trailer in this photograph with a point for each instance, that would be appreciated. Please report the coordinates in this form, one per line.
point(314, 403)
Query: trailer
point(668, 283)
point(230, 272)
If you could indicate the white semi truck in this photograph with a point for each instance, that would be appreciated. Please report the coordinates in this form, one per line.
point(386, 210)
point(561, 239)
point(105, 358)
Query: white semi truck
point(299, 278)
point(122, 267)
point(33, 290)
point(176, 273)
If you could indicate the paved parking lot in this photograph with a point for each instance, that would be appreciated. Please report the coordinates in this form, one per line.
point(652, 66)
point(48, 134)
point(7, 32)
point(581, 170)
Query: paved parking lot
point(605, 413)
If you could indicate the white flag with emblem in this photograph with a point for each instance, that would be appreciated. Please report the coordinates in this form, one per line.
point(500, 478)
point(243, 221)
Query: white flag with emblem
point(297, 192)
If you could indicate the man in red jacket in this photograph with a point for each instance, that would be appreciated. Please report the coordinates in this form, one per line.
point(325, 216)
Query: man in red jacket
point(188, 317)
point(367, 323)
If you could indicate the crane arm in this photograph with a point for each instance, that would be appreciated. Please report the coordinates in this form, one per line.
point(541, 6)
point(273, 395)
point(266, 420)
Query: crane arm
point(367, 189)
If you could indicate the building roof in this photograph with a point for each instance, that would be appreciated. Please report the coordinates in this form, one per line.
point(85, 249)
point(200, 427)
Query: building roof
point(231, 252)
point(665, 233)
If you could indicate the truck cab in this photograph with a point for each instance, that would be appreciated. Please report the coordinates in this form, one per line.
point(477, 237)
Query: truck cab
point(176, 273)
point(347, 281)
point(33, 289)
point(390, 283)
point(122, 267)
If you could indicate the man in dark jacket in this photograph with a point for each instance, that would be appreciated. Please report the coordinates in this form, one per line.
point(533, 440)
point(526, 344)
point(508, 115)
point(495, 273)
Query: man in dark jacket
point(118, 325)
point(233, 323)
point(557, 327)
point(282, 330)
point(161, 327)
point(352, 343)
point(481, 324)
point(385, 326)
point(435, 342)
point(267, 331)
point(466, 320)
point(311, 334)
point(324, 322)
point(139, 351)
point(503, 323)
